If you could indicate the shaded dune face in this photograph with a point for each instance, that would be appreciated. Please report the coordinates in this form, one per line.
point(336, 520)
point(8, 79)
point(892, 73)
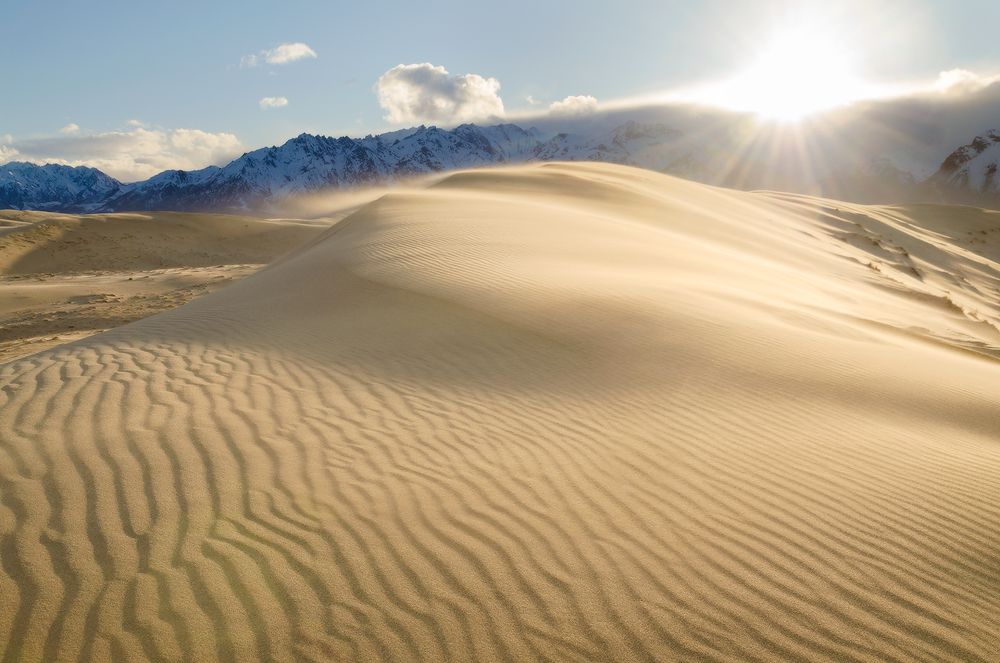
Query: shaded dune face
point(558, 412)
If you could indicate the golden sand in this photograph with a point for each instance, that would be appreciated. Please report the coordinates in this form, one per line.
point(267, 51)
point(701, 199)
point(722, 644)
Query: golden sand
point(556, 412)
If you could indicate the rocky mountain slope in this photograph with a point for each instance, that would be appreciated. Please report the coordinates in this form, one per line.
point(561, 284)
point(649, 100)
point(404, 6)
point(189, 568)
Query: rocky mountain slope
point(972, 168)
point(54, 187)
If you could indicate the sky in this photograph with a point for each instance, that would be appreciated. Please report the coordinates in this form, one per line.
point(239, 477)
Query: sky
point(136, 87)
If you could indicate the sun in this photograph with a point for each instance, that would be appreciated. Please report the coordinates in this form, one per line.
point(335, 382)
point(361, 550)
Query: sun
point(800, 71)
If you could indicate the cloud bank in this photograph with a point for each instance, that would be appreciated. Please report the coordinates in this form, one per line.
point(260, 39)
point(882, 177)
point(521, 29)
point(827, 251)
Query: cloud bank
point(128, 155)
point(417, 93)
point(273, 102)
point(280, 54)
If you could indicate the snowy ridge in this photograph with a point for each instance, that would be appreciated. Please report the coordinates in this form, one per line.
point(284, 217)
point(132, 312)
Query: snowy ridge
point(54, 187)
point(309, 163)
point(973, 167)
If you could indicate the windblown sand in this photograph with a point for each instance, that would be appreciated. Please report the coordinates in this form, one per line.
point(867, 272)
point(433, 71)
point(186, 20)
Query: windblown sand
point(558, 412)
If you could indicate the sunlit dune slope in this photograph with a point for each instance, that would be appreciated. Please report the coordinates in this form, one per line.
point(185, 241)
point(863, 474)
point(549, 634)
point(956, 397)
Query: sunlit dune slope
point(559, 412)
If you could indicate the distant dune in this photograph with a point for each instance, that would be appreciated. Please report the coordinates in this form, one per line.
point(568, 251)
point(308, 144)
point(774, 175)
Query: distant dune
point(556, 412)
point(64, 276)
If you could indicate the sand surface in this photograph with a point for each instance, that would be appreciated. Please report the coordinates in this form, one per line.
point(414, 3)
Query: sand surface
point(65, 277)
point(558, 412)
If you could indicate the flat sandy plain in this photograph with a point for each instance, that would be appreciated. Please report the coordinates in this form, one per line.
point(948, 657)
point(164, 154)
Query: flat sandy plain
point(556, 412)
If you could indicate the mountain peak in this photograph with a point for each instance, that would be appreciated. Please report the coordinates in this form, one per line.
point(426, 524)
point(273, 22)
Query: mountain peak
point(973, 166)
point(25, 185)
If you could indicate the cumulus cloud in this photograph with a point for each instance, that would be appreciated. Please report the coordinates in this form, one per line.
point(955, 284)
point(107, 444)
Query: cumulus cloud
point(427, 93)
point(8, 153)
point(129, 155)
point(71, 128)
point(574, 105)
point(280, 54)
point(136, 123)
point(273, 102)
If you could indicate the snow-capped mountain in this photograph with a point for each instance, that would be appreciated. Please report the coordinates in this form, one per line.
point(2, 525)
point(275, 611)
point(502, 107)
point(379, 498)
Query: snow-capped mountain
point(716, 154)
point(973, 167)
point(54, 187)
point(310, 163)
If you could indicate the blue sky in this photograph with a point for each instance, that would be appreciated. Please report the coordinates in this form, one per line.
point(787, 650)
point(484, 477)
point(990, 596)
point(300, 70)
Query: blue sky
point(92, 67)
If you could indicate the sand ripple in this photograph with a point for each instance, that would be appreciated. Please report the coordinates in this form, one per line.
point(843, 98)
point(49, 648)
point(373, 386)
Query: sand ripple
point(563, 413)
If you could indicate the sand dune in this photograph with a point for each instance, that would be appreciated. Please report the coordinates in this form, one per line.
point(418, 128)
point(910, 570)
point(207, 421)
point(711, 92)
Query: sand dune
point(65, 277)
point(559, 412)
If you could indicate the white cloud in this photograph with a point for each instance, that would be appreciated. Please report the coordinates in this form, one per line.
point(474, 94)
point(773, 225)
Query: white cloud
point(962, 80)
point(71, 128)
point(285, 53)
point(574, 105)
point(8, 153)
point(136, 123)
point(131, 154)
point(273, 102)
point(531, 100)
point(280, 54)
point(426, 93)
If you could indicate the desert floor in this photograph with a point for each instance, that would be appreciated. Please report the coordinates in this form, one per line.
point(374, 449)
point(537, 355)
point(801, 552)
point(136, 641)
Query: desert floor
point(65, 277)
point(555, 412)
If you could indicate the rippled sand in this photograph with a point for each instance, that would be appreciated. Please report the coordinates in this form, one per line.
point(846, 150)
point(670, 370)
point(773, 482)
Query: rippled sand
point(557, 412)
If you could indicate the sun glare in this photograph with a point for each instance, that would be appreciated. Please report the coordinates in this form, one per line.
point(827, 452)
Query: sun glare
point(800, 71)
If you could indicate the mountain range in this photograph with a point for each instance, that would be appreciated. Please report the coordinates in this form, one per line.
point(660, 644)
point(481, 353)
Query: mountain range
point(309, 163)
